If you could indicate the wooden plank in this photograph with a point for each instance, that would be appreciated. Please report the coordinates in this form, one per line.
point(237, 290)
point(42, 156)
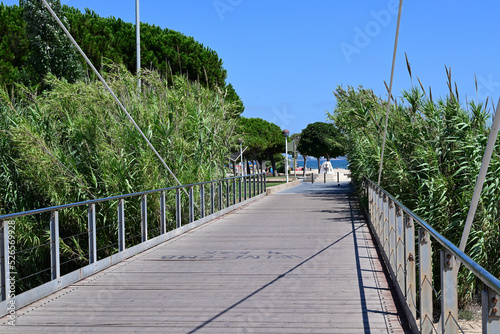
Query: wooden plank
point(294, 262)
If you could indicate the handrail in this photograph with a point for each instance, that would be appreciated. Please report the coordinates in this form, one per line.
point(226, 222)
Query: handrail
point(393, 226)
point(223, 196)
point(473, 266)
point(94, 201)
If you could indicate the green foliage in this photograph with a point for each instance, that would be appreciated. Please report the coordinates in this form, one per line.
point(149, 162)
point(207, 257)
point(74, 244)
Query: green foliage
point(50, 50)
point(72, 143)
point(263, 138)
point(433, 156)
point(167, 51)
point(320, 139)
point(13, 43)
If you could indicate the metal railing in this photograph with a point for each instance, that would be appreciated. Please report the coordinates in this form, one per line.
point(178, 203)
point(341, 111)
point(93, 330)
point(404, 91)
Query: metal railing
point(204, 201)
point(394, 228)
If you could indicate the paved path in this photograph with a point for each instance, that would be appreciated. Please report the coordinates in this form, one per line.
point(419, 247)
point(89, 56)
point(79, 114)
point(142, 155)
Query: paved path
point(299, 261)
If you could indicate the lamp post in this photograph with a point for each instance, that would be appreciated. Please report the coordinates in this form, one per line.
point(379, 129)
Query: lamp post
point(138, 43)
point(285, 134)
point(240, 140)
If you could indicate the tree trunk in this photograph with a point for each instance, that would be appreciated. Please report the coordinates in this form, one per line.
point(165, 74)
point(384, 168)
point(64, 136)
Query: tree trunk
point(305, 164)
point(273, 164)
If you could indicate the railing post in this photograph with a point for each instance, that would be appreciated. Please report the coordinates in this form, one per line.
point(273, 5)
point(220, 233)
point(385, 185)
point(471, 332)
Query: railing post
point(121, 225)
point(425, 261)
point(163, 216)
point(411, 299)
point(386, 226)
point(378, 214)
point(202, 200)
point(178, 211)
point(245, 187)
point(370, 204)
point(490, 309)
point(144, 218)
point(191, 205)
point(239, 191)
point(212, 198)
point(449, 295)
point(234, 191)
point(55, 264)
point(4, 249)
point(253, 177)
point(219, 189)
point(92, 234)
point(400, 249)
point(392, 235)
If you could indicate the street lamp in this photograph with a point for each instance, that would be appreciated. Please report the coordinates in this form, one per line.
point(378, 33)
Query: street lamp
point(285, 134)
point(240, 140)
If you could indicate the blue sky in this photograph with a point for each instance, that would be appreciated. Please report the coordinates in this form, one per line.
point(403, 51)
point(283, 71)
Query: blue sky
point(285, 58)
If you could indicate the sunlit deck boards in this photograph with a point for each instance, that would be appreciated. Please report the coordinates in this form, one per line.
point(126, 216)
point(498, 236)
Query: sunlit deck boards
point(300, 261)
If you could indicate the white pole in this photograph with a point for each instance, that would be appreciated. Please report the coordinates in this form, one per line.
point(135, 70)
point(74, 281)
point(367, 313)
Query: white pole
point(138, 42)
point(241, 160)
point(286, 160)
point(482, 175)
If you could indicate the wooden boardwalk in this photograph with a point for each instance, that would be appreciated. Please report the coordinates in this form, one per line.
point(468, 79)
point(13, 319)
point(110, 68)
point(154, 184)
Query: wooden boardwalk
point(299, 261)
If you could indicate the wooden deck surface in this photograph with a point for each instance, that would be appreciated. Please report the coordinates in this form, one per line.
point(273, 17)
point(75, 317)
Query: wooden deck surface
point(299, 261)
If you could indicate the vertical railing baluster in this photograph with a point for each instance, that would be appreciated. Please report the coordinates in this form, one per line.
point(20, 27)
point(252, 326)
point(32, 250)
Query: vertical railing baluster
point(202, 201)
point(392, 235)
point(386, 226)
point(191, 205)
point(400, 249)
point(449, 294)
point(121, 225)
point(55, 264)
point(178, 209)
point(212, 198)
point(245, 187)
point(219, 189)
point(425, 270)
point(144, 218)
point(254, 181)
point(163, 215)
point(228, 194)
point(92, 234)
point(411, 281)
point(380, 217)
point(4, 249)
point(239, 190)
point(490, 302)
point(234, 191)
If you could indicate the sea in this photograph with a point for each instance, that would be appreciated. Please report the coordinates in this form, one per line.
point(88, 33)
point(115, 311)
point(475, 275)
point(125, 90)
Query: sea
point(336, 163)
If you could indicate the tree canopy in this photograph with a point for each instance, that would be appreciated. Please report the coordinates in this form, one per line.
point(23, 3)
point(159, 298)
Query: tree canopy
point(320, 139)
point(263, 138)
point(105, 41)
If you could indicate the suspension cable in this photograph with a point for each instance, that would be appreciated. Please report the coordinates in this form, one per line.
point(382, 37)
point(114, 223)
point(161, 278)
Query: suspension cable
point(390, 92)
